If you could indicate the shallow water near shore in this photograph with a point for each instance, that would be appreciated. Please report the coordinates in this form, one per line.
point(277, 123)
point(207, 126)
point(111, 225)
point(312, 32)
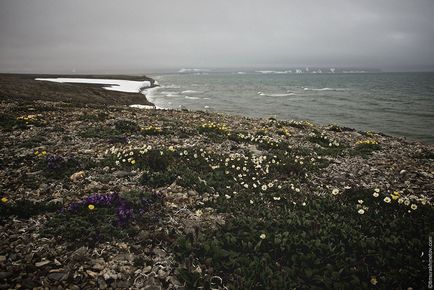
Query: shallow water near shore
point(399, 104)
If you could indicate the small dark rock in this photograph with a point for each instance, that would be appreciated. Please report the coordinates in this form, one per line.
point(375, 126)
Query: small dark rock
point(57, 276)
point(4, 275)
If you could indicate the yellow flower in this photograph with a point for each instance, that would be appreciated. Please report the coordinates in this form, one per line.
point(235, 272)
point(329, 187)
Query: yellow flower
point(4, 199)
point(44, 153)
point(36, 152)
point(374, 280)
point(91, 207)
point(133, 162)
point(395, 195)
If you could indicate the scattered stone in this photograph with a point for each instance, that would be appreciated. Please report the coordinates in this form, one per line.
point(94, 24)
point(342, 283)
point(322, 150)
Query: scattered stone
point(56, 201)
point(121, 174)
point(57, 276)
point(42, 263)
point(77, 176)
point(147, 269)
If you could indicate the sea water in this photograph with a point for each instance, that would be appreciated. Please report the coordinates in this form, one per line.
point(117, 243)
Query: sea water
point(400, 104)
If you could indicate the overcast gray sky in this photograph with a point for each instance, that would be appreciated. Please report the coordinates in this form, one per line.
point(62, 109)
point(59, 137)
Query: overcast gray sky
point(144, 35)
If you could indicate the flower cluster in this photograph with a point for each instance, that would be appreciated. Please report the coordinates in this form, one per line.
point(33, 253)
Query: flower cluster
point(361, 208)
point(4, 199)
point(127, 155)
point(323, 140)
point(29, 118)
point(367, 142)
point(124, 210)
point(283, 131)
point(213, 127)
point(300, 124)
point(40, 152)
point(151, 130)
point(260, 139)
point(410, 200)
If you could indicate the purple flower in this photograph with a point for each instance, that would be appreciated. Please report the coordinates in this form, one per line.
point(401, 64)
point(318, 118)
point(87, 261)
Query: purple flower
point(124, 211)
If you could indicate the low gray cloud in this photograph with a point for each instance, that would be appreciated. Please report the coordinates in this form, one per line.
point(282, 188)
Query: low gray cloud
point(144, 35)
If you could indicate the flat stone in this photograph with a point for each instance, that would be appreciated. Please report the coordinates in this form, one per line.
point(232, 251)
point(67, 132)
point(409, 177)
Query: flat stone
point(147, 269)
point(42, 263)
point(122, 173)
point(77, 176)
point(120, 284)
point(57, 276)
point(56, 201)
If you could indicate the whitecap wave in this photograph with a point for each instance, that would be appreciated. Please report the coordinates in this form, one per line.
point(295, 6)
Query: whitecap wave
point(274, 71)
point(276, 95)
point(172, 86)
point(173, 95)
point(190, 92)
point(325, 89)
point(193, 70)
point(192, 98)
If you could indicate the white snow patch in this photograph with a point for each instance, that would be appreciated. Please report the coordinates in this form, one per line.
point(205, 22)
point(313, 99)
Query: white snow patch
point(113, 85)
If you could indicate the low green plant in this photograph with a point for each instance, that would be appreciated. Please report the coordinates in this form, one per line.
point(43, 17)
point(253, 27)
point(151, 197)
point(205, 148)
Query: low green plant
point(323, 243)
point(25, 209)
point(85, 227)
point(126, 126)
point(99, 132)
point(365, 148)
point(93, 117)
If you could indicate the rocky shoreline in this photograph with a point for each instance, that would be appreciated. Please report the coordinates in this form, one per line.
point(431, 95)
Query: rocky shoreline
point(55, 154)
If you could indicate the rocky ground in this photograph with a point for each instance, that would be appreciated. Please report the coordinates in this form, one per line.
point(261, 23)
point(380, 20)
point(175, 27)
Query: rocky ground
point(176, 174)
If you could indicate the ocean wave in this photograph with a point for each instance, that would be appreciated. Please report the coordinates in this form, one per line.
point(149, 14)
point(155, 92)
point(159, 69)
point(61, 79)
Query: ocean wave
point(193, 70)
point(170, 87)
point(173, 95)
point(325, 89)
point(274, 71)
point(190, 92)
point(276, 95)
point(192, 98)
